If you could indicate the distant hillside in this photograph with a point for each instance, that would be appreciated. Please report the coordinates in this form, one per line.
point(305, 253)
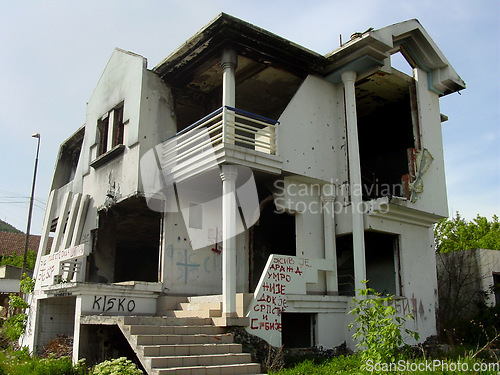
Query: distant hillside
point(6, 227)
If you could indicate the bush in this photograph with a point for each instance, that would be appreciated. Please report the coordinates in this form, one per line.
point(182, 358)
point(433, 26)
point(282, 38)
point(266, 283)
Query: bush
point(122, 366)
point(378, 329)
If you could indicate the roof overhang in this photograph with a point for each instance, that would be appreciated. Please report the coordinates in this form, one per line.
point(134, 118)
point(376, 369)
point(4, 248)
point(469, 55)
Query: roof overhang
point(365, 54)
point(248, 40)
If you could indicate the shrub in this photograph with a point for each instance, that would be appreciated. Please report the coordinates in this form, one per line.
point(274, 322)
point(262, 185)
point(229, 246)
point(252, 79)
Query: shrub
point(378, 329)
point(122, 366)
point(14, 327)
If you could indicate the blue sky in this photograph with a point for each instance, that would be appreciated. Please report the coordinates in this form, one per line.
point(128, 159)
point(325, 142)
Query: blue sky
point(53, 53)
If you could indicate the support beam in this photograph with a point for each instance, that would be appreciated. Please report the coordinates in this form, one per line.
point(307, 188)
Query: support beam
point(70, 225)
point(229, 174)
point(61, 222)
point(356, 188)
point(328, 198)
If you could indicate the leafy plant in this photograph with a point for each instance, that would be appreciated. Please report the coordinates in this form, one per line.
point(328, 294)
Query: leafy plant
point(122, 366)
point(15, 326)
point(378, 329)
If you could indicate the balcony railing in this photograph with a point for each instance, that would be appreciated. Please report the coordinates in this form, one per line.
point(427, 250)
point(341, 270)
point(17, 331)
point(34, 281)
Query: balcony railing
point(226, 126)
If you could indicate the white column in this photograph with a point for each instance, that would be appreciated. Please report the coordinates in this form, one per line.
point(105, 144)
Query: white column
point(328, 198)
point(228, 62)
point(77, 337)
point(229, 209)
point(349, 79)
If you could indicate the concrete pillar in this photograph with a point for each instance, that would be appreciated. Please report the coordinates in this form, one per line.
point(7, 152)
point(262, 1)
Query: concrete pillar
point(358, 230)
point(328, 198)
point(228, 62)
point(77, 337)
point(229, 174)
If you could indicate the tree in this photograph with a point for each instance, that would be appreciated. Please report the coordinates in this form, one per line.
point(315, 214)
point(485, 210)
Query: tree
point(17, 260)
point(456, 234)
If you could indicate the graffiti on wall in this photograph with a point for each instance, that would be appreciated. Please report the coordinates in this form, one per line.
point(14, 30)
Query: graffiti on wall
point(49, 264)
point(113, 304)
point(270, 300)
point(191, 265)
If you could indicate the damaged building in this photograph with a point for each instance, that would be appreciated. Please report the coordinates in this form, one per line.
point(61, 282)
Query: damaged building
point(245, 181)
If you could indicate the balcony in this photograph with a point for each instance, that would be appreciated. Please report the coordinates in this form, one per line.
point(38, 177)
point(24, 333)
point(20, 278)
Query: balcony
point(227, 135)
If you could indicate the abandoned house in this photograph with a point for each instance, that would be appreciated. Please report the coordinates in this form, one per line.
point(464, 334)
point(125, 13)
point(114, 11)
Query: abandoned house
point(245, 181)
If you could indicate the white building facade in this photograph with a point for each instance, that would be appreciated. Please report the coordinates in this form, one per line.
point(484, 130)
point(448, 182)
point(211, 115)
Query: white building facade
point(253, 174)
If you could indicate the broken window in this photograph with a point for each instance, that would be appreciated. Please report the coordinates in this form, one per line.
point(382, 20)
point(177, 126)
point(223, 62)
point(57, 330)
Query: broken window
point(67, 162)
point(381, 259)
point(127, 247)
point(110, 129)
point(388, 132)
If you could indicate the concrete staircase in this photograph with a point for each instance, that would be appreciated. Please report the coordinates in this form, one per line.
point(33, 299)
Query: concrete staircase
point(188, 340)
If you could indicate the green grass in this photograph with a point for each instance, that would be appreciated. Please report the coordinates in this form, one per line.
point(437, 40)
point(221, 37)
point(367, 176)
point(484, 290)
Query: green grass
point(352, 365)
point(19, 362)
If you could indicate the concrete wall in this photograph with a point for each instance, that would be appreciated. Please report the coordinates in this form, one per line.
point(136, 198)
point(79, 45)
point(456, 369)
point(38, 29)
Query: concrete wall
point(312, 134)
point(197, 272)
point(489, 263)
point(433, 198)
point(417, 258)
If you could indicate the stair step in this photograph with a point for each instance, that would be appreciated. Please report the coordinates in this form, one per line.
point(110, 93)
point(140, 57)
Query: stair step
point(201, 360)
point(166, 321)
point(235, 369)
point(188, 306)
point(193, 349)
point(184, 339)
point(203, 313)
point(177, 330)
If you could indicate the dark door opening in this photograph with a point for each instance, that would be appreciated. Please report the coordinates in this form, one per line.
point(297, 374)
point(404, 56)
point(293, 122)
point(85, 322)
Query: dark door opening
point(297, 330)
point(274, 233)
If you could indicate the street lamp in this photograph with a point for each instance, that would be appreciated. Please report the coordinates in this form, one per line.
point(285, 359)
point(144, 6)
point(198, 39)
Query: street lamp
point(34, 135)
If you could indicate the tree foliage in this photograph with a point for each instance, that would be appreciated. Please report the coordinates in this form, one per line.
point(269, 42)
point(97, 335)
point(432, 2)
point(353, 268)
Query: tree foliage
point(456, 233)
point(17, 260)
